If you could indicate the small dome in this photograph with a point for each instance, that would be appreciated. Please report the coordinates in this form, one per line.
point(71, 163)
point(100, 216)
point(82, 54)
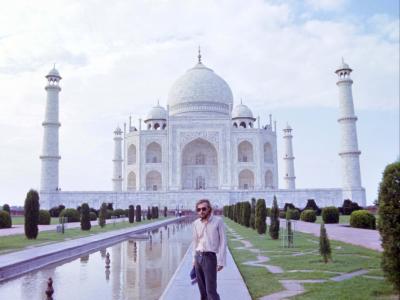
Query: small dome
point(117, 131)
point(242, 111)
point(156, 113)
point(200, 90)
point(343, 66)
point(53, 73)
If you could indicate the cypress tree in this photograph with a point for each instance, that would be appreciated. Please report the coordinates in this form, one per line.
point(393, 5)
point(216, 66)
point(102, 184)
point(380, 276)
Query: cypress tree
point(85, 217)
point(131, 214)
point(260, 216)
point(138, 213)
point(324, 244)
point(6, 208)
point(165, 211)
point(246, 214)
point(389, 220)
point(253, 213)
point(31, 213)
point(274, 227)
point(148, 216)
point(103, 215)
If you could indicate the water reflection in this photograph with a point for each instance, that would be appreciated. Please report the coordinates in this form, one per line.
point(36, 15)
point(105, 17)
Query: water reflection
point(139, 269)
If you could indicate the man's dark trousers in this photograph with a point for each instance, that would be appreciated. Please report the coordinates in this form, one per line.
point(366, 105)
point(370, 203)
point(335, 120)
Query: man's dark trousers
point(206, 273)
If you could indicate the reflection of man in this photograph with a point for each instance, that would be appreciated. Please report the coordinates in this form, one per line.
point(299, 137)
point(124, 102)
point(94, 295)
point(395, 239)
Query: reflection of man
point(209, 249)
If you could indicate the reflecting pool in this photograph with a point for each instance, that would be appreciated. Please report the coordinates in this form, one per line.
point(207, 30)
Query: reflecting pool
point(139, 269)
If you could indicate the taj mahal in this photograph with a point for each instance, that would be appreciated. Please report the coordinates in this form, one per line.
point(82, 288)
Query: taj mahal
point(203, 144)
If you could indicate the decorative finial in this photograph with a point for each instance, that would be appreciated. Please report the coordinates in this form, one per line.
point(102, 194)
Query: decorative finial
point(54, 65)
point(241, 102)
point(342, 60)
point(199, 56)
point(158, 102)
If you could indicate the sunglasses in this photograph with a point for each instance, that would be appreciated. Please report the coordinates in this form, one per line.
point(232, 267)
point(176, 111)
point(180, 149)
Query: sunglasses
point(202, 209)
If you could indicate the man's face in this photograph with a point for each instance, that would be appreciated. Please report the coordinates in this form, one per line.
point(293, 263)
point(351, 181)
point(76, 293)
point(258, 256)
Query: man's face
point(203, 210)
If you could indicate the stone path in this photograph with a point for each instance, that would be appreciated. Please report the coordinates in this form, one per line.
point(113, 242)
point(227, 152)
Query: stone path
point(360, 237)
point(229, 280)
point(291, 288)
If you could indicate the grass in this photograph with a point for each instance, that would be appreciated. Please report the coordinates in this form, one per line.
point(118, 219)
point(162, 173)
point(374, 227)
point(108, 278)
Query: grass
point(19, 220)
point(346, 258)
point(19, 241)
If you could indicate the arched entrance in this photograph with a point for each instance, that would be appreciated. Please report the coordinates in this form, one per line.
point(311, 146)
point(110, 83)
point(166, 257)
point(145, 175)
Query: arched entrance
point(199, 166)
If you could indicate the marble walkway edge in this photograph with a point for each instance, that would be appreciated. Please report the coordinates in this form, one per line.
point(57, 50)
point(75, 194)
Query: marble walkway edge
point(230, 284)
point(20, 262)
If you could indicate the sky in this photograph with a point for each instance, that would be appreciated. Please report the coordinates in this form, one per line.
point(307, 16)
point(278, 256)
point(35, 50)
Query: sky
point(117, 58)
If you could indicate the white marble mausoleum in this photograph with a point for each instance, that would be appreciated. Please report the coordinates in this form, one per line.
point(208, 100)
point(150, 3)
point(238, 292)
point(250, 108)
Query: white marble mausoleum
point(203, 144)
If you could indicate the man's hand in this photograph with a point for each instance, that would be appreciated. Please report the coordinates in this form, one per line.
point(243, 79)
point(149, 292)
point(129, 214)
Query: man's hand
point(219, 268)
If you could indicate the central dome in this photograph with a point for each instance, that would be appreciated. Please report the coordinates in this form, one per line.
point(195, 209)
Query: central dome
point(200, 91)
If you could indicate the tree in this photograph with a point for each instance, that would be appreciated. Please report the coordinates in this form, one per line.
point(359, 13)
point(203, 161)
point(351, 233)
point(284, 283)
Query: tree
point(138, 213)
point(260, 216)
point(274, 227)
point(149, 215)
point(389, 222)
point(246, 213)
point(131, 214)
point(324, 244)
point(103, 215)
point(6, 208)
point(85, 217)
point(165, 211)
point(31, 213)
point(253, 213)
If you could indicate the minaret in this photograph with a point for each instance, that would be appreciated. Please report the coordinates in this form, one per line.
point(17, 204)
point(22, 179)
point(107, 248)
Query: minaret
point(349, 152)
point(117, 161)
point(50, 155)
point(289, 178)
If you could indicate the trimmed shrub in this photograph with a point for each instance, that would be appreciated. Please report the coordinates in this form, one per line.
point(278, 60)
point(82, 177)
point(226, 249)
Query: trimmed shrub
point(54, 212)
point(5, 219)
point(308, 215)
point(274, 227)
point(95, 211)
point(118, 212)
point(103, 215)
point(246, 214)
point(166, 212)
point(85, 217)
point(148, 215)
point(330, 215)
point(109, 214)
point(253, 213)
point(6, 208)
point(110, 206)
point(312, 205)
point(282, 214)
point(288, 206)
point(324, 244)
point(131, 214)
point(93, 216)
point(44, 217)
point(389, 220)
point(260, 216)
point(31, 213)
point(348, 207)
point(138, 211)
point(71, 214)
point(293, 214)
point(362, 219)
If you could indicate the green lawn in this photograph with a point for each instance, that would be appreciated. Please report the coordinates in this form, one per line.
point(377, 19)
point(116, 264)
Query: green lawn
point(19, 241)
point(19, 220)
point(346, 258)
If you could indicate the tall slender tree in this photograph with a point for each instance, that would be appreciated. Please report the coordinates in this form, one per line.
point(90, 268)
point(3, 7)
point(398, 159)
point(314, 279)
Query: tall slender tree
point(31, 213)
point(85, 217)
point(103, 215)
point(274, 227)
point(260, 216)
point(131, 214)
point(253, 213)
point(324, 244)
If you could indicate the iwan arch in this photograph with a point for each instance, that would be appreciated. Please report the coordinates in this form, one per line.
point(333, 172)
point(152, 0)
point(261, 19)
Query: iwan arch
point(200, 146)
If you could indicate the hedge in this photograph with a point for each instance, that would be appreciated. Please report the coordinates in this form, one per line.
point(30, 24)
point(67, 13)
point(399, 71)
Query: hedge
point(330, 215)
point(362, 219)
point(308, 215)
point(71, 214)
point(293, 214)
point(44, 217)
point(5, 219)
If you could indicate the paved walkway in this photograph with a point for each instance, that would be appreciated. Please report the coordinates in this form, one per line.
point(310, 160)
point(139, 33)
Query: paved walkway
point(230, 282)
point(19, 229)
point(360, 237)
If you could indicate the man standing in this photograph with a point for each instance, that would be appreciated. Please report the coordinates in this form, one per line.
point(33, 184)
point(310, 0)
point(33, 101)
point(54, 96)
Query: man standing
point(209, 249)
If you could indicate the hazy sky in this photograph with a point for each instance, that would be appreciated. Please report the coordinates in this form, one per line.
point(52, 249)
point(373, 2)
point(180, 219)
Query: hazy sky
point(118, 57)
